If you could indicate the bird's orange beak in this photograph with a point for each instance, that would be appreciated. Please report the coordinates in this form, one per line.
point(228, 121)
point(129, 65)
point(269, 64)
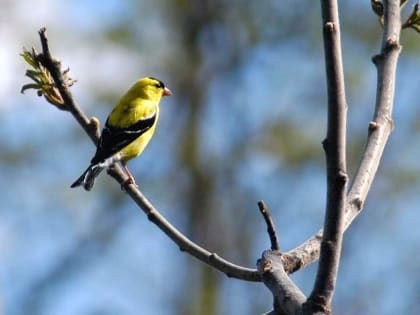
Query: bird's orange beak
point(166, 92)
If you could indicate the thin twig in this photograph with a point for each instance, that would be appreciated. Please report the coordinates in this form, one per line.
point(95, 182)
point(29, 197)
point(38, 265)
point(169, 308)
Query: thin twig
point(271, 229)
point(54, 66)
point(335, 151)
point(91, 126)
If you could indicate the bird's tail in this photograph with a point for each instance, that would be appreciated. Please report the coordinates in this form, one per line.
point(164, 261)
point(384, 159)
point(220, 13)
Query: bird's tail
point(87, 179)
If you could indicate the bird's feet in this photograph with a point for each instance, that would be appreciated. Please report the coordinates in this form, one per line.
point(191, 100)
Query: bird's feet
point(129, 181)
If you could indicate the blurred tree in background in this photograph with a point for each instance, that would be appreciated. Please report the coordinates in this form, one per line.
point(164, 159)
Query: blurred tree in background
point(245, 122)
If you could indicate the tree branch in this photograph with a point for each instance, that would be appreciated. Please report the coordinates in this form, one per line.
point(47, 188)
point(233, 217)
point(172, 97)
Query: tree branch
point(335, 151)
point(185, 244)
point(91, 126)
point(382, 124)
point(379, 130)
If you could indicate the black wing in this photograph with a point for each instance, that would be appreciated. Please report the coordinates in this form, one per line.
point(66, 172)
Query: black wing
point(113, 139)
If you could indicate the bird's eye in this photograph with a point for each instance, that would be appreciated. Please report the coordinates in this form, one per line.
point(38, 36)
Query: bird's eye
point(157, 83)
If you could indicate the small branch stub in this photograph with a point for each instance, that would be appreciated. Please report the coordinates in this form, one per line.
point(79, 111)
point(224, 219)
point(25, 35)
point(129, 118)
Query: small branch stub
point(377, 59)
point(94, 125)
point(271, 229)
point(329, 26)
point(392, 44)
point(358, 203)
point(373, 125)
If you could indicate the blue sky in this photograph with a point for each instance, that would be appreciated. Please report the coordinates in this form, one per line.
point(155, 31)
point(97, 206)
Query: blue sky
point(41, 220)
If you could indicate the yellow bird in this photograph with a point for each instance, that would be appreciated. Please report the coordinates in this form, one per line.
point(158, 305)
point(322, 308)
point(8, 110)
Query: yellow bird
point(127, 131)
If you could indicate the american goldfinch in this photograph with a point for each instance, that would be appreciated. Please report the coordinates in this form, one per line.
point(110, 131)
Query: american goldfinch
point(128, 129)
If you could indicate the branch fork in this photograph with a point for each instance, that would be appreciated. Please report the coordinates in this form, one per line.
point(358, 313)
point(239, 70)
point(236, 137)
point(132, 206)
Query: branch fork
point(288, 298)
